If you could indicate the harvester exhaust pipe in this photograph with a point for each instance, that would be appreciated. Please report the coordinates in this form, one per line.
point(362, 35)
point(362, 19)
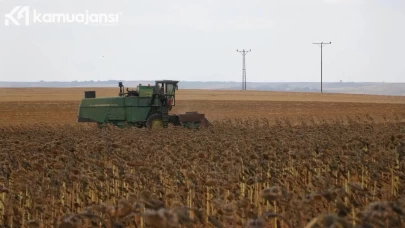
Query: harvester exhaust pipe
point(121, 88)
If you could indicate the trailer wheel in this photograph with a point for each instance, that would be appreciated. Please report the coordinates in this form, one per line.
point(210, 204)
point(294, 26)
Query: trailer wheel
point(155, 121)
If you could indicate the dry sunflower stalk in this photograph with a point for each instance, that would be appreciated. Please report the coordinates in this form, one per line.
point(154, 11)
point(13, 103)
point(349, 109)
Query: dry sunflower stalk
point(244, 173)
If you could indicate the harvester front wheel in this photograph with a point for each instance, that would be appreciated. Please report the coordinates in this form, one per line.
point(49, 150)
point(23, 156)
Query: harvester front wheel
point(155, 121)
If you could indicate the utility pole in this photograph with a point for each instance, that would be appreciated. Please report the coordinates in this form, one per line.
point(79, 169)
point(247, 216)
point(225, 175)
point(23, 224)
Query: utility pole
point(322, 44)
point(244, 53)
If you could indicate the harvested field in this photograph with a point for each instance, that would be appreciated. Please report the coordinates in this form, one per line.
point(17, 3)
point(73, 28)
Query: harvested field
point(59, 105)
point(273, 161)
point(75, 94)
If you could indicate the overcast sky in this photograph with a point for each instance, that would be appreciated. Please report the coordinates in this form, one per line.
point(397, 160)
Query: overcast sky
point(197, 41)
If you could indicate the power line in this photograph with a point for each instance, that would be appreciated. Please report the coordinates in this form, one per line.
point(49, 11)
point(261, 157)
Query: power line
point(322, 44)
point(244, 53)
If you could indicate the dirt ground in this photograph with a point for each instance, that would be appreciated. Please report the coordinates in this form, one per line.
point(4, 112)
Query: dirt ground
point(59, 105)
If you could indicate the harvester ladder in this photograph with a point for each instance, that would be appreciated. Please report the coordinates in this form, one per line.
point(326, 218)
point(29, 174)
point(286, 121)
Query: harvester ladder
point(165, 115)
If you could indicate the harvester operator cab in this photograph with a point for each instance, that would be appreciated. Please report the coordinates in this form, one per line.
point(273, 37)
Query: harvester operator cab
point(167, 90)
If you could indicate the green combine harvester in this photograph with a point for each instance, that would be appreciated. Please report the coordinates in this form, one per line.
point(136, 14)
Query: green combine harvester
point(147, 106)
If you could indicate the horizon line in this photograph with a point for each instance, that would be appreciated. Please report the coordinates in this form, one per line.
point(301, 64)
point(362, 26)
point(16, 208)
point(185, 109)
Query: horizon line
point(93, 81)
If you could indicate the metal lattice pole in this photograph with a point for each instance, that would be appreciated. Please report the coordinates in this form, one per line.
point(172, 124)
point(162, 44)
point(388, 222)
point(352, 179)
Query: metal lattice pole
point(244, 53)
point(322, 44)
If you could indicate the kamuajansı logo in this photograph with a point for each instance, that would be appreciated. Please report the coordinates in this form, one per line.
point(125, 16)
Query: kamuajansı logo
point(23, 15)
